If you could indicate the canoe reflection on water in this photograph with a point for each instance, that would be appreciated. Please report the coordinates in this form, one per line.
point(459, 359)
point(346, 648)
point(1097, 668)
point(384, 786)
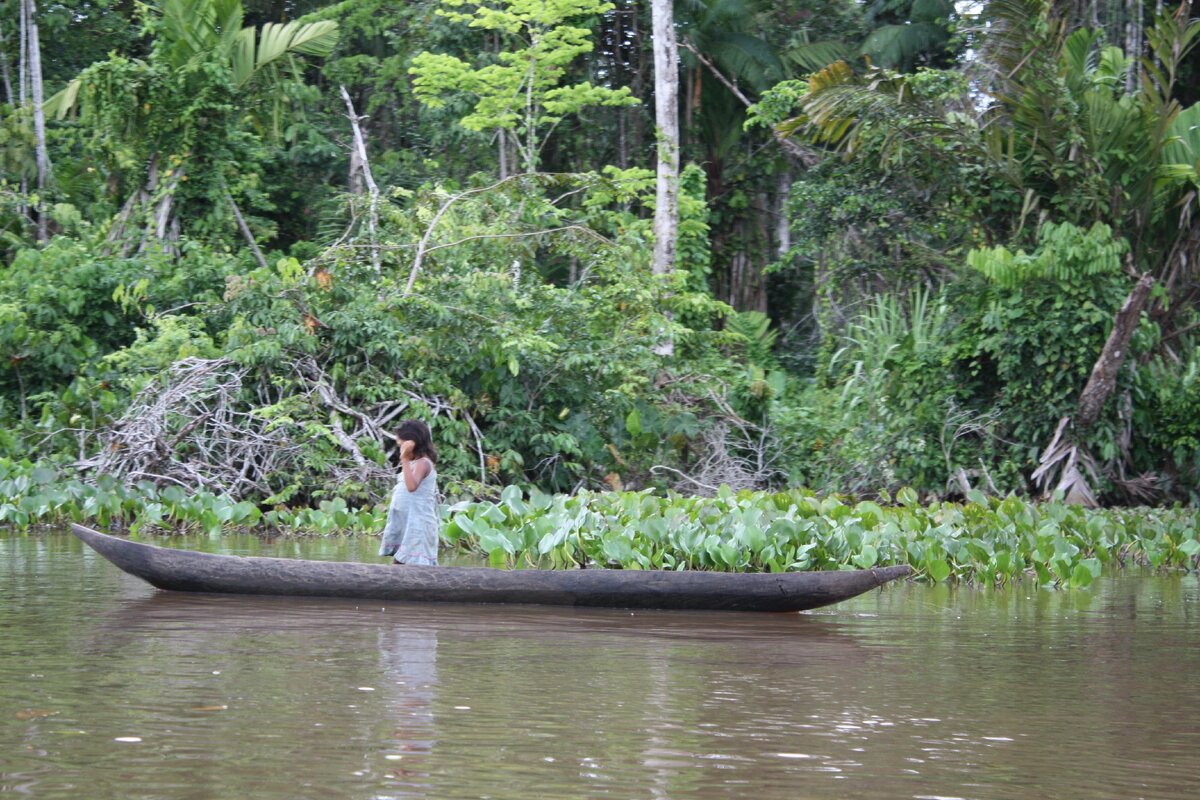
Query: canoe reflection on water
point(416, 689)
point(200, 622)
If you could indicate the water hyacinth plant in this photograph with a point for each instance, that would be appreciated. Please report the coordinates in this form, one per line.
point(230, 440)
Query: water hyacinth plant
point(984, 540)
point(37, 494)
point(987, 539)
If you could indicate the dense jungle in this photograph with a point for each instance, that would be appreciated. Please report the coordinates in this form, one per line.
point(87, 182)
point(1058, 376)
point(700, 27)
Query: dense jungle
point(857, 248)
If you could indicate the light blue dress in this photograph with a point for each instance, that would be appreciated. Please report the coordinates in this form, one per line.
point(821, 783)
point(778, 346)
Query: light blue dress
point(411, 533)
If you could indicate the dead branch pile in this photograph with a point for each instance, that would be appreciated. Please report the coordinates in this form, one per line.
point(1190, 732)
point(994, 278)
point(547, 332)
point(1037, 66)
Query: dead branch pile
point(1066, 466)
point(734, 452)
point(209, 424)
point(191, 428)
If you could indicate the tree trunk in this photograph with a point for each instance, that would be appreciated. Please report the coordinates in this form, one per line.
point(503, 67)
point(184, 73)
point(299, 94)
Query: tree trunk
point(354, 179)
point(501, 134)
point(619, 64)
point(23, 56)
point(23, 92)
point(1104, 373)
point(39, 121)
point(502, 141)
point(1134, 12)
point(666, 113)
point(783, 226)
point(636, 135)
point(360, 147)
point(4, 70)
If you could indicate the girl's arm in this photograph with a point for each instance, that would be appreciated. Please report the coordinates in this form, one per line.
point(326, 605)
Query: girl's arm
point(415, 471)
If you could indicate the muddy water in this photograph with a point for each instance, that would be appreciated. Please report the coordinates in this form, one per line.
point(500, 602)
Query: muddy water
point(109, 688)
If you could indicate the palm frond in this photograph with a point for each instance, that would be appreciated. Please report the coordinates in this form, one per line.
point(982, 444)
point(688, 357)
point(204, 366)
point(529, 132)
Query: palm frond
point(745, 58)
point(841, 106)
point(899, 45)
point(277, 41)
point(1184, 145)
point(814, 56)
point(63, 101)
point(1017, 32)
point(1081, 53)
point(189, 30)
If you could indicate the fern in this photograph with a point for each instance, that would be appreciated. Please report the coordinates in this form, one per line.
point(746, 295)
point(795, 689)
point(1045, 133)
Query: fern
point(1065, 253)
point(754, 329)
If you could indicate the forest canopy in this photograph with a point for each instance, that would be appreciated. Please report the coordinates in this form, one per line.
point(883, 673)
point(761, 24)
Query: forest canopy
point(920, 244)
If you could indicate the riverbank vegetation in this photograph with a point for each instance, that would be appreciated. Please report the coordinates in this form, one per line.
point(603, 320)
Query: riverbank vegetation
point(982, 540)
point(914, 249)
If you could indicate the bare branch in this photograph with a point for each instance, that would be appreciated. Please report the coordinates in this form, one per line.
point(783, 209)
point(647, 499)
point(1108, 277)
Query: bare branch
point(360, 147)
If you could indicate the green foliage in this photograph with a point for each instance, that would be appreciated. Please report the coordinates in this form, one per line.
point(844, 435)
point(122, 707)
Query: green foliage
point(1065, 253)
point(525, 374)
point(169, 339)
point(1026, 352)
point(754, 329)
point(191, 124)
point(1167, 414)
point(522, 91)
point(932, 311)
point(39, 494)
point(983, 540)
point(1068, 146)
point(877, 418)
point(62, 307)
point(1181, 156)
point(913, 31)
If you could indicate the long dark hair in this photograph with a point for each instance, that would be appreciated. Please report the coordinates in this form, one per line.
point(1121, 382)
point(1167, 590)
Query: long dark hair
point(417, 432)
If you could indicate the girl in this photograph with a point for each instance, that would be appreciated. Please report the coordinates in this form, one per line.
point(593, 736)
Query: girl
point(411, 533)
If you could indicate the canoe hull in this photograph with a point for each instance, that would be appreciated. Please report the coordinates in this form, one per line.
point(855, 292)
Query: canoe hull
point(189, 571)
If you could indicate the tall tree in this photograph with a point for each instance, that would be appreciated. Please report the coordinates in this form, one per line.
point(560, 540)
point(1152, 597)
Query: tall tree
point(39, 116)
point(523, 93)
point(5, 75)
point(207, 77)
point(666, 115)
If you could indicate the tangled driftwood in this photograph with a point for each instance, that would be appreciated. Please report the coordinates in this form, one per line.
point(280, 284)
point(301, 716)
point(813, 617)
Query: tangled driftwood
point(192, 428)
point(734, 452)
point(211, 424)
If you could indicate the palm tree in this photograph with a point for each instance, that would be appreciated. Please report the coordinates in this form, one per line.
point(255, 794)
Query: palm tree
point(1062, 128)
point(207, 76)
point(901, 35)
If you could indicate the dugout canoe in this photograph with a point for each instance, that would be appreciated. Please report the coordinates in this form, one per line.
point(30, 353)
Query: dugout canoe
point(190, 571)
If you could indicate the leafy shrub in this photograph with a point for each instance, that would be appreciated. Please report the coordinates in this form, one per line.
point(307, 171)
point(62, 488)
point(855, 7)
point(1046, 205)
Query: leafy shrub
point(1166, 414)
point(876, 421)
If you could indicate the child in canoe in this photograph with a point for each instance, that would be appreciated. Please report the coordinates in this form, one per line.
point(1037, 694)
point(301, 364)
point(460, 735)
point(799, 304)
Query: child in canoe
point(411, 533)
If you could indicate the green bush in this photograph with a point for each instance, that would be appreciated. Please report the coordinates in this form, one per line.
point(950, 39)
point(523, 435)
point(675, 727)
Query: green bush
point(1166, 415)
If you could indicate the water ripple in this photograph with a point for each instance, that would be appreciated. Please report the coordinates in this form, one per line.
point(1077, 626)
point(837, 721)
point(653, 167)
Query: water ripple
point(112, 689)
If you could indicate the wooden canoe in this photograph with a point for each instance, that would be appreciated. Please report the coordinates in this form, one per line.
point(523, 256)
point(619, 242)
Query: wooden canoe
point(190, 571)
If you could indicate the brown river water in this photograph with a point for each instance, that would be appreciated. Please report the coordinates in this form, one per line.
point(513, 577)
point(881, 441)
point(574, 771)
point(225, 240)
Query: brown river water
point(112, 689)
